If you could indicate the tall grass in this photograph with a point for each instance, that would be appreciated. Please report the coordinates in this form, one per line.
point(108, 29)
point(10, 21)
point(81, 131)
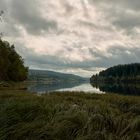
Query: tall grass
point(68, 116)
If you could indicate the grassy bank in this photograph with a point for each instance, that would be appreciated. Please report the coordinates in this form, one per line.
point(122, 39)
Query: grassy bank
point(68, 116)
point(13, 85)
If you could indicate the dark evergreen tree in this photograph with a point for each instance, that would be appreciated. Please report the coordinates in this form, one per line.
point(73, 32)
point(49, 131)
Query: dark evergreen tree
point(128, 72)
point(11, 64)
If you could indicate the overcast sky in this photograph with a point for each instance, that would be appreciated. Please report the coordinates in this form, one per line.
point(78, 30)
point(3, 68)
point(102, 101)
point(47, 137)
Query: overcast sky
point(73, 36)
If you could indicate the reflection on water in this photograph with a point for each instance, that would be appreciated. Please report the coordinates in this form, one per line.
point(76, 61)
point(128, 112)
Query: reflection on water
point(44, 88)
point(83, 87)
point(120, 88)
point(126, 89)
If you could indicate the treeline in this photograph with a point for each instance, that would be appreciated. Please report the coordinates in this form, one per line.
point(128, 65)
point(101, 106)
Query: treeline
point(11, 64)
point(120, 73)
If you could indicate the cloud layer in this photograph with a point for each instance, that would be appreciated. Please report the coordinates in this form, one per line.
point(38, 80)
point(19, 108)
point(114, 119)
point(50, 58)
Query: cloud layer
point(76, 36)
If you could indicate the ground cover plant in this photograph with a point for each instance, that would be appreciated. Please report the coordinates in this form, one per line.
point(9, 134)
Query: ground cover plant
point(68, 116)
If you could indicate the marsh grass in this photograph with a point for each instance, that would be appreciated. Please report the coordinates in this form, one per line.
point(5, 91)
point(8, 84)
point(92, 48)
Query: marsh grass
point(68, 116)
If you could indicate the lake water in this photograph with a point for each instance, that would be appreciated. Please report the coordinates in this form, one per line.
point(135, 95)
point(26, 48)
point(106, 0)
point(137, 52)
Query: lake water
point(125, 89)
point(43, 88)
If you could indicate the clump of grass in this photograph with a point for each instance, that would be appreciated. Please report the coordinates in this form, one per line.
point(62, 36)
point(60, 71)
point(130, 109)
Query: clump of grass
point(69, 115)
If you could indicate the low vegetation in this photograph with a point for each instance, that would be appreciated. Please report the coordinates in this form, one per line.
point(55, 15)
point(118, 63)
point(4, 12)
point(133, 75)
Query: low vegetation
point(68, 116)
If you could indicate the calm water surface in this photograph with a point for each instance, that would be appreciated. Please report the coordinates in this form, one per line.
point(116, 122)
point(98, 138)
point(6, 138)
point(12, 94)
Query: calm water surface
point(44, 88)
point(125, 89)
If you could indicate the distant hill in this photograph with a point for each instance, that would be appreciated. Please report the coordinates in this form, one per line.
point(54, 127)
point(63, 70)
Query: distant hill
point(54, 77)
point(119, 73)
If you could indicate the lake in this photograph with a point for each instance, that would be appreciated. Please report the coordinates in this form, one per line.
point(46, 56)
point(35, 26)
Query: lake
point(43, 88)
point(119, 88)
point(125, 89)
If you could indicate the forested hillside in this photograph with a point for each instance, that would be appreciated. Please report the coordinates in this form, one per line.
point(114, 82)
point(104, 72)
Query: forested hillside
point(11, 63)
point(55, 77)
point(125, 73)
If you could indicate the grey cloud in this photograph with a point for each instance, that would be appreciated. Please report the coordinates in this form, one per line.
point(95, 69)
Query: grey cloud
point(128, 21)
point(31, 57)
point(130, 4)
point(123, 18)
point(57, 63)
point(126, 4)
point(123, 14)
point(68, 8)
point(86, 12)
point(3, 5)
point(120, 55)
point(7, 26)
point(27, 14)
point(86, 24)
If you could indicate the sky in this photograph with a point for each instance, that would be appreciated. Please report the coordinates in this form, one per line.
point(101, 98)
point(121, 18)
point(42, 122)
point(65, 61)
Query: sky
point(73, 36)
